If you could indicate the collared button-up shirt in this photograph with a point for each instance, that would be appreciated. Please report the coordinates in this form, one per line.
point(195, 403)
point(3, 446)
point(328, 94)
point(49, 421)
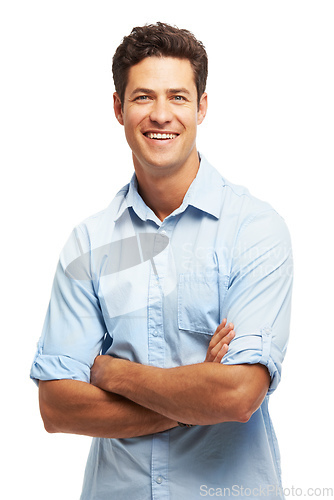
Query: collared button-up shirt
point(154, 292)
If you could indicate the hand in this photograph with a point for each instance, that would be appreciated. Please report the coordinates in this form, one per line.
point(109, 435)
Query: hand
point(219, 343)
point(102, 371)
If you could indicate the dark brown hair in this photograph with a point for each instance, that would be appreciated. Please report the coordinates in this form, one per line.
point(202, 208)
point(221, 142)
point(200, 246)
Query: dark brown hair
point(160, 40)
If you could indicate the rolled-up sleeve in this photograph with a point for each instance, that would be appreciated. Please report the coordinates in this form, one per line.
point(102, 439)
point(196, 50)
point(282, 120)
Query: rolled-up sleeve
point(74, 328)
point(258, 299)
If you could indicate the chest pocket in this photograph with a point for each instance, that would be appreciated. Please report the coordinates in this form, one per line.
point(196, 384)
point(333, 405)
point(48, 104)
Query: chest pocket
point(198, 302)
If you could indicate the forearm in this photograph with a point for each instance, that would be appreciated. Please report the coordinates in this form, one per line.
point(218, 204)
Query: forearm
point(75, 407)
point(186, 393)
point(204, 393)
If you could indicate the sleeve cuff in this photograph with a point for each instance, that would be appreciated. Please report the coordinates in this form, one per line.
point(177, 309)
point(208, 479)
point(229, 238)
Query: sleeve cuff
point(51, 367)
point(257, 348)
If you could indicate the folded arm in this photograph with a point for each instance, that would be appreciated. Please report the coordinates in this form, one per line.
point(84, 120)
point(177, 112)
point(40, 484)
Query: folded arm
point(203, 394)
point(75, 407)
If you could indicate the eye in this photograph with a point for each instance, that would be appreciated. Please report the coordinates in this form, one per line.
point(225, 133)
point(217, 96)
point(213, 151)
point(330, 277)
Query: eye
point(178, 98)
point(142, 98)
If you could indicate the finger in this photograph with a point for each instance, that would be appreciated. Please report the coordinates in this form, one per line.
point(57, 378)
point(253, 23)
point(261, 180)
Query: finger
point(221, 334)
point(221, 353)
point(223, 341)
point(221, 326)
point(211, 354)
point(215, 349)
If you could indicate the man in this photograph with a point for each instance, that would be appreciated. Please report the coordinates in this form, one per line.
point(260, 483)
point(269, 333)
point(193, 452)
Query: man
point(182, 271)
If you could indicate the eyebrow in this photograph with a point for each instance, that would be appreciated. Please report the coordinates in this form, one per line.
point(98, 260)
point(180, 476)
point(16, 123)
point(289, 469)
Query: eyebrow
point(182, 90)
point(140, 90)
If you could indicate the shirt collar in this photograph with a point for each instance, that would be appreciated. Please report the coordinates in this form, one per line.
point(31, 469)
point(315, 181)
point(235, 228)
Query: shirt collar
point(203, 191)
point(202, 194)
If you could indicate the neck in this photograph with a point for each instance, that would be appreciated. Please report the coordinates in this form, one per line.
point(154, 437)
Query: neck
point(165, 193)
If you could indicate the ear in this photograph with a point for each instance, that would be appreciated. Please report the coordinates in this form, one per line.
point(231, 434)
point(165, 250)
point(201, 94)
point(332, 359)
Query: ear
point(118, 108)
point(202, 108)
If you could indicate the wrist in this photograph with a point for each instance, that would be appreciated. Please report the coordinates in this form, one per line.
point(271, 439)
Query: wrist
point(118, 372)
point(107, 373)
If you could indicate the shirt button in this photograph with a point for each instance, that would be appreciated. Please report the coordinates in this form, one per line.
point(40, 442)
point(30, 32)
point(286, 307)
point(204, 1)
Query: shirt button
point(155, 333)
point(159, 479)
point(163, 232)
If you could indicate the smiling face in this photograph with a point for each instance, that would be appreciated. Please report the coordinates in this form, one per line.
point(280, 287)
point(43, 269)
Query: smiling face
point(160, 115)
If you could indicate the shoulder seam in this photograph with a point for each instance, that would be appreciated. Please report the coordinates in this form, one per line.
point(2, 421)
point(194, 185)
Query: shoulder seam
point(252, 217)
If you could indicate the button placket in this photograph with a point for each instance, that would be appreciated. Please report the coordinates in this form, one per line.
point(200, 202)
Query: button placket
point(156, 357)
point(159, 466)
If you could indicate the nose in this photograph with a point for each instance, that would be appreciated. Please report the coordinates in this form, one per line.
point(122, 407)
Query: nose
point(160, 112)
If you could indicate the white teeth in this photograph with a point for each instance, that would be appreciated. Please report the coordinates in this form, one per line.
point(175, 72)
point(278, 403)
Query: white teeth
point(151, 135)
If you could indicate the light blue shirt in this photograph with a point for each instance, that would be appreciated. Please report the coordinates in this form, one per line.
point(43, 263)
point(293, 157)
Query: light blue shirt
point(154, 292)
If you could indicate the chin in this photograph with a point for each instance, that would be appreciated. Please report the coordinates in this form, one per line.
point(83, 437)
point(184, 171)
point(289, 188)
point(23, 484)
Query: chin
point(158, 161)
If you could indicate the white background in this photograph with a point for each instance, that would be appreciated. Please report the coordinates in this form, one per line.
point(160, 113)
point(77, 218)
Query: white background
point(63, 157)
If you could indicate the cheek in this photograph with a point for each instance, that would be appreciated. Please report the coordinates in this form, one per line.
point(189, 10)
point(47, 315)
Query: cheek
point(131, 122)
point(188, 117)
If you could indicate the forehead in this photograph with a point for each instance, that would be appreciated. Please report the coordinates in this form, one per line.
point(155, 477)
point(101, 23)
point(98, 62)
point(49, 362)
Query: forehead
point(161, 73)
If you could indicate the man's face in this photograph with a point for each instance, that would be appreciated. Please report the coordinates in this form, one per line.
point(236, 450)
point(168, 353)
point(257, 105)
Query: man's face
point(160, 114)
